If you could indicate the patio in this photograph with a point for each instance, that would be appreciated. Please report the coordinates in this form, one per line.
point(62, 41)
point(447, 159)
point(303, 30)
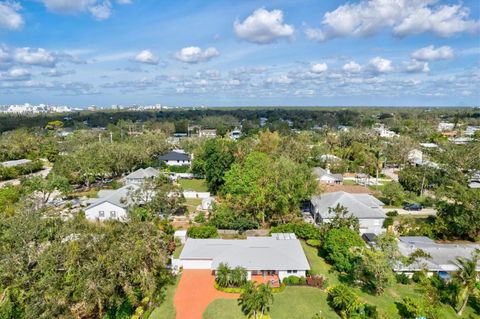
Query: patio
point(273, 280)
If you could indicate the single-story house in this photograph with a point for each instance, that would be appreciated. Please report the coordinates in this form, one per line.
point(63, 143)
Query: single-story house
point(140, 175)
point(365, 207)
point(111, 204)
point(474, 181)
point(279, 256)
point(235, 134)
point(329, 158)
point(176, 158)
point(441, 257)
point(325, 177)
point(415, 157)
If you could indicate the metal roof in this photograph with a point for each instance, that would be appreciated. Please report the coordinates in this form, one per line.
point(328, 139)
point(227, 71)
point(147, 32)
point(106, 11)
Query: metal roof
point(15, 162)
point(279, 252)
point(120, 197)
point(143, 173)
point(359, 205)
point(175, 156)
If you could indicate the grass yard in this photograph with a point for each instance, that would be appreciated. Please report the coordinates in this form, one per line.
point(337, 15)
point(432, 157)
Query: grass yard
point(197, 185)
point(177, 251)
point(166, 310)
point(192, 204)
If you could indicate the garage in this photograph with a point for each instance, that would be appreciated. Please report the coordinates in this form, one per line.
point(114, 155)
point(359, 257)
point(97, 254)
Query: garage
point(197, 263)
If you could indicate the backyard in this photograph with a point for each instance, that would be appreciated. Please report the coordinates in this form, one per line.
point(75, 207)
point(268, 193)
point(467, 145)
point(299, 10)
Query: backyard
point(197, 185)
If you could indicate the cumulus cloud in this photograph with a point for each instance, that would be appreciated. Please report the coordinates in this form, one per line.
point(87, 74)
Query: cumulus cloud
point(263, 27)
point(430, 53)
point(9, 16)
point(99, 9)
point(39, 57)
point(56, 73)
point(404, 17)
point(147, 57)
point(380, 65)
point(319, 68)
point(352, 67)
point(282, 79)
point(15, 74)
point(196, 54)
point(416, 66)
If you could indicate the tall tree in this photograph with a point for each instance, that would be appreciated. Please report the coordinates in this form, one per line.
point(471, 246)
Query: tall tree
point(467, 277)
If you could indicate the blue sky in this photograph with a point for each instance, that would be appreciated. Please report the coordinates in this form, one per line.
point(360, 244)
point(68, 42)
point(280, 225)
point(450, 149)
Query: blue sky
point(235, 53)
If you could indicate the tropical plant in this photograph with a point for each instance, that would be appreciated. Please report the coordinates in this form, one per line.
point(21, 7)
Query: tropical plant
point(343, 300)
point(467, 277)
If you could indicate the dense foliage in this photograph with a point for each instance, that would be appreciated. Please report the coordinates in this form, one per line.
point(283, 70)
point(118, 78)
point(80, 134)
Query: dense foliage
point(301, 230)
point(202, 232)
point(337, 248)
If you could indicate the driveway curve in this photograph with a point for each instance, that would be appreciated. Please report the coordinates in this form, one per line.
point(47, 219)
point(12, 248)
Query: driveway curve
point(195, 292)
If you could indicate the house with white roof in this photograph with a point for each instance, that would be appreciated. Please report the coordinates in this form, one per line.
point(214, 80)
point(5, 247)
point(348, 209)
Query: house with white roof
point(440, 257)
point(365, 207)
point(325, 177)
point(111, 204)
point(280, 255)
point(140, 175)
point(15, 163)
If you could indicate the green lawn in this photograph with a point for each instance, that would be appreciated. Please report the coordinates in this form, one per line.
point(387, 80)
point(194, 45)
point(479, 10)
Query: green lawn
point(197, 185)
point(223, 309)
point(178, 251)
point(166, 310)
point(192, 204)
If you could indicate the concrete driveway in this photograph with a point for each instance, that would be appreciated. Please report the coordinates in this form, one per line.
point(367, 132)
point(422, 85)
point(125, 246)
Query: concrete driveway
point(195, 292)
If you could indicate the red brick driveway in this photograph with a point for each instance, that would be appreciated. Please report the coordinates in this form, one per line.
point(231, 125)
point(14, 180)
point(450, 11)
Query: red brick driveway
point(195, 292)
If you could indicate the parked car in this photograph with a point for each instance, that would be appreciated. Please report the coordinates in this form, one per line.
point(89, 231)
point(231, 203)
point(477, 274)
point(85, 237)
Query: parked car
point(413, 207)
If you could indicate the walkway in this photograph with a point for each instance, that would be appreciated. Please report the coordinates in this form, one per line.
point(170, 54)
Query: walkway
point(195, 292)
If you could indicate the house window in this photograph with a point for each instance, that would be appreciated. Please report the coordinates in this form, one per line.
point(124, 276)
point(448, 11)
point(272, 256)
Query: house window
point(113, 214)
point(101, 213)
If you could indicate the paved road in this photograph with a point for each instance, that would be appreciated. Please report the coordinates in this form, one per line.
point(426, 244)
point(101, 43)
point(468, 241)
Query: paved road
point(401, 211)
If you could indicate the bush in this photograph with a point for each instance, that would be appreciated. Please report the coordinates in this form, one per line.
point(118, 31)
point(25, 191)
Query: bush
point(314, 242)
point(419, 276)
point(224, 218)
point(392, 213)
point(403, 279)
point(317, 281)
point(202, 232)
point(337, 246)
point(301, 230)
point(178, 169)
point(200, 218)
point(388, 222)
point(294, 281)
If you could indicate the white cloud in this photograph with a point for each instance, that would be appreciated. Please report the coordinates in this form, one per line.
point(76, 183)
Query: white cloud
point(352, 67)
point(380, 65)
point(263, 27)
point(196, 54)
point(39, 57)
point(404, 17)
point(55, 73)
point(430, 53)
point(9, 16)
point(146, 56)
point(15, 74)
point(282, 79)
point(319, 68)
point(416, 66)
point(99, 9)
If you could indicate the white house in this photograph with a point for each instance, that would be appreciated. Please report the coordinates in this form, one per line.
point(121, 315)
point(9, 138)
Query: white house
point(207, 133)
point(445, 126)
point(235, 134)
point(111, 204)
point(15, 163)
point(176, 158)
point(280, 255)
point(140, 175)
point(181, 235)
point(384, 132)
point(325, 177)
point(440, 257)
point(415, 157)
point(365, 207)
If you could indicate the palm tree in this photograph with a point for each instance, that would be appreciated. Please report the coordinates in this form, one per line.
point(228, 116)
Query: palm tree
point(467, 278)
point(222, 276)
point(238, 276)
point(248, 301)
point(265, 298)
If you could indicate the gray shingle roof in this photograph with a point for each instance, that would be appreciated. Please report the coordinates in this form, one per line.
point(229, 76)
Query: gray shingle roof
point(175, 156)
point(320, 172)
point(15, 162)
point(119, 197)
point(143, 173)
point(359, 205)
point(442, 255)
point(254, 253)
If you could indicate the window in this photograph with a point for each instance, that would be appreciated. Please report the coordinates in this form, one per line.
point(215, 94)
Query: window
point(101, 213)
point(113, 214)
point(289, 271)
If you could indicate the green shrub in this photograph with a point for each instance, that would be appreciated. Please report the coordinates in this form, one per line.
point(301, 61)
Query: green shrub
point(314, 242)
point(337, 247)
point(403, 279)
point(294, 281)
point(392, 213)
point(419, 276)
point(200, 218)
point(202, 232)
point(178, 169)
point(388, 222)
